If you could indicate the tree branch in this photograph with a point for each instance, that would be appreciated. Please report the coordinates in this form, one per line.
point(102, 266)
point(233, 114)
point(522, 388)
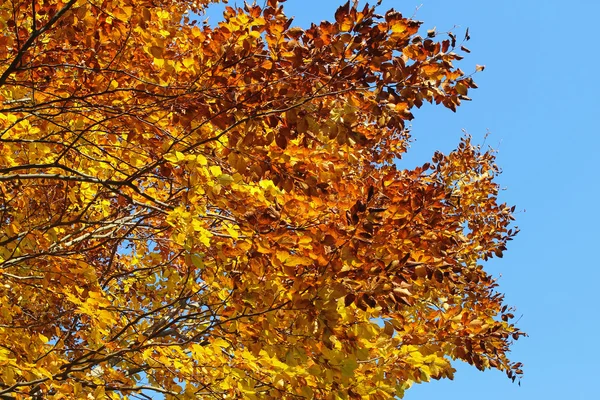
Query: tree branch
point(34, 35)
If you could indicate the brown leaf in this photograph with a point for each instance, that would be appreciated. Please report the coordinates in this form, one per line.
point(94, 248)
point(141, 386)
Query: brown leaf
point(349, 299)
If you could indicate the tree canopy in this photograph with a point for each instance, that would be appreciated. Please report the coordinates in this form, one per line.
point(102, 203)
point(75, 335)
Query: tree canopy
point(215, 212)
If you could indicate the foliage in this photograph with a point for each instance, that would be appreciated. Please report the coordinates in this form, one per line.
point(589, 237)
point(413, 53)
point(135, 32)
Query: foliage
point(214, 212)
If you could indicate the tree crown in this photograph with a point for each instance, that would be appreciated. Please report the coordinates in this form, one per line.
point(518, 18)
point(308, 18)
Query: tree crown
point(215, 211)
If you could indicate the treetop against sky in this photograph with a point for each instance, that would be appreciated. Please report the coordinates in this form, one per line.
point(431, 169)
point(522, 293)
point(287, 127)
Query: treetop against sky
point(216, 212)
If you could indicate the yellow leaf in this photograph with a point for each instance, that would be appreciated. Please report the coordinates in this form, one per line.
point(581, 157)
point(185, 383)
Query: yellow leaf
point(43, 338)
point(159, 62)
point(197, 260)
point(215, 170)
point(232, 231)
point(297, 260)
point(348, 367)
point(188, 62)
point(200, 159)
point(225, 179)
point(220, 343)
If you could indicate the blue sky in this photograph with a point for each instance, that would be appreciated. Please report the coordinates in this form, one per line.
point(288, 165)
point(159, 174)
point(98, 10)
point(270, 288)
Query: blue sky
point(538, 96)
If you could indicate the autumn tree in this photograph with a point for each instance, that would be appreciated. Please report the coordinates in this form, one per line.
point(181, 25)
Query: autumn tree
point(215, 212)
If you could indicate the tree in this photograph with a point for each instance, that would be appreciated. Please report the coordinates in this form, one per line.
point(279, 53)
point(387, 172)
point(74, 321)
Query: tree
point(215, 212)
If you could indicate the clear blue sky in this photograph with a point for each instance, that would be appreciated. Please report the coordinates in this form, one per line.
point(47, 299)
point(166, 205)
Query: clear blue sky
point(538, 96)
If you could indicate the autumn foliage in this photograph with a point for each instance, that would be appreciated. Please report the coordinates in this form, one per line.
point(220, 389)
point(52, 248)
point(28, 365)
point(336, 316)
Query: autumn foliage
point(215, 212)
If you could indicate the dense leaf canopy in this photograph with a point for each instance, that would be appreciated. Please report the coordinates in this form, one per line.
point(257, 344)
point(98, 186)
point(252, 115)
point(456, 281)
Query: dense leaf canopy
point(215, 212)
